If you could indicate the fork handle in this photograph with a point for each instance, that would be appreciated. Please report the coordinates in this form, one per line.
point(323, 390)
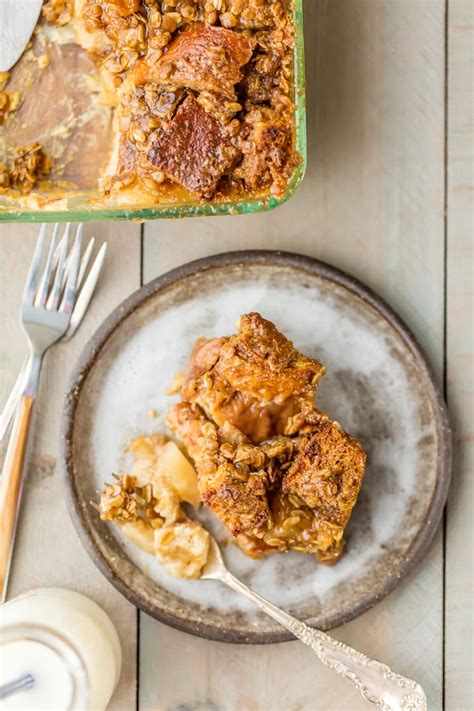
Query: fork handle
point(8, 412)
point(11, 486)
point(375, 681)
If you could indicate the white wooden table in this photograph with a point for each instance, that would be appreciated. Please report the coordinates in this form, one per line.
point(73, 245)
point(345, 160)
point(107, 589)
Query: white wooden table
point(388, 197)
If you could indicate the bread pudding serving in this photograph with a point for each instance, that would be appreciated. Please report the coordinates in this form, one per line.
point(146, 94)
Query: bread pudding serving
point(200, 91)
point(276, 471)
point(147, 504)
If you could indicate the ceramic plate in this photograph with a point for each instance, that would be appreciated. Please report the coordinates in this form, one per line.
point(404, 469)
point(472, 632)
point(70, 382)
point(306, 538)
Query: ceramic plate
point(378, 385)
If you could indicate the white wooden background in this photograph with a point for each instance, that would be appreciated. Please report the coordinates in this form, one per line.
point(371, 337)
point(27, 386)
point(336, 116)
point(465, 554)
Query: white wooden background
point(388, 197)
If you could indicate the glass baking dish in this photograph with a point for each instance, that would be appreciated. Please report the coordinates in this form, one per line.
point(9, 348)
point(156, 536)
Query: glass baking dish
point(83, 205)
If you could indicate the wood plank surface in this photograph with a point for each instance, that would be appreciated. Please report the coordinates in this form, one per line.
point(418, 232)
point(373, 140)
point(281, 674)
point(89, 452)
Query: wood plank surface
point(372, 203)
point(459, 633)
point(48, 551)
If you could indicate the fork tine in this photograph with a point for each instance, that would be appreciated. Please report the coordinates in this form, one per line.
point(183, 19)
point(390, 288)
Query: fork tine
point(57, 253)
point(50, 264)
point(85, 296)
point(32, 278)
point(42, 291)
point(67, 264)
point(82, 266)
point(85, 261)
point(58, 249)
point(55, 294)
point(69, 298)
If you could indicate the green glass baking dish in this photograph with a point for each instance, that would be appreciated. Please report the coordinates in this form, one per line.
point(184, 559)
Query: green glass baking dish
point(82, 206)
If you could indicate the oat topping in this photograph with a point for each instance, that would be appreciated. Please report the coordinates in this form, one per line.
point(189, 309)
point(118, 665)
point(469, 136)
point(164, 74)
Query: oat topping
point(166, 57)
point(277, 472)
point(28, 166)
point(126, 502)
point(4, 176)
point(201, 94)
point(147, 506)
point(58, 12)
point(9, 102)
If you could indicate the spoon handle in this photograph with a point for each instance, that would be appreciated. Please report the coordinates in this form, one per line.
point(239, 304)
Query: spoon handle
point(377, 683)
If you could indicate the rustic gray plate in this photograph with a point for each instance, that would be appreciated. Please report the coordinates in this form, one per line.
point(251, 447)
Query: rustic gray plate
point(378, 385)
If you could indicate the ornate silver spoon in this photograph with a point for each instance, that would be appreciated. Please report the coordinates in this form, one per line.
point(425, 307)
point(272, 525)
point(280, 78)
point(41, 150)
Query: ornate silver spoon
point(17, 22)
point(377, 683)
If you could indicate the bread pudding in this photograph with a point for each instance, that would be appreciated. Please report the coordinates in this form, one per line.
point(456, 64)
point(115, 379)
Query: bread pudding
point(147, 506)
point(274, 469)
point(200, 92)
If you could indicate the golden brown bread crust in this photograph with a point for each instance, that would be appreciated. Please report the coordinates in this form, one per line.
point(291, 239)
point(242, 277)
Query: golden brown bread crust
point(267, 147)
point(195, 150)
point(233, 57)
point(295, 488)
point(326, 474)
point(254, 380)
point(204, 58)
point(226, 485)
point(275, 497)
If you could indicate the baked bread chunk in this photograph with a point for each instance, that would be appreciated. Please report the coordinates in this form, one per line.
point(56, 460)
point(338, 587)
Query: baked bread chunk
point(158, 61)
point(267, 149)
point(195, 150)
point(254, 380)
point(275, 470)
point(204, 58)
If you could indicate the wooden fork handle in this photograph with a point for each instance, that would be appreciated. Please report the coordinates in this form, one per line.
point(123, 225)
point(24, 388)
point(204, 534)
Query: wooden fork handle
point(11, 486)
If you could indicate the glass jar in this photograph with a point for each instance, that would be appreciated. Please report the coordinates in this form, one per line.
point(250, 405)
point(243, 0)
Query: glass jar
point(58, 651)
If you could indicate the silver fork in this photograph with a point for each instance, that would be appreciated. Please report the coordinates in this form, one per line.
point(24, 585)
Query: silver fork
point(377, 683)
point(45, 317)
point(85, 290)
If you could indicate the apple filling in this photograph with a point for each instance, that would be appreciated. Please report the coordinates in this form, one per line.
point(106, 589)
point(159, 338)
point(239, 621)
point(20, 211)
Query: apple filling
point(147, 505)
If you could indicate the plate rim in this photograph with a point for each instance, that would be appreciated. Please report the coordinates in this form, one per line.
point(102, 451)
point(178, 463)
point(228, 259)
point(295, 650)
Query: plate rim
point(126, 308)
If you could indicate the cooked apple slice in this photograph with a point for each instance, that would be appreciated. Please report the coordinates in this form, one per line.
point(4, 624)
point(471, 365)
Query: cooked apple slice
point(140, 534)
point(179, 472)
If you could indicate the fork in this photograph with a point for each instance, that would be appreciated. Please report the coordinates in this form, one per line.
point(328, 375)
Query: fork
point(84, 295)
point(375, 681)
point(45, 317)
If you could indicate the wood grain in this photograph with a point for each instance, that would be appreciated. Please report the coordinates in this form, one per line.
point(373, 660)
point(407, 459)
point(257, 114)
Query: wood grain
point(459, 633)
point(371, 203)
point(47, 550)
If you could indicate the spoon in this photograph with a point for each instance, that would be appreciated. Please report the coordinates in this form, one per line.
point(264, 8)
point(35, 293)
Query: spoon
point(18, 19)
point(377, 683)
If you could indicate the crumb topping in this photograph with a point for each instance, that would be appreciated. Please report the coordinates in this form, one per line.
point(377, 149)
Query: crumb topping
point(29, 165)
point(167, 57)
point(201, 94)
point(147, 506)
point(274, 469)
